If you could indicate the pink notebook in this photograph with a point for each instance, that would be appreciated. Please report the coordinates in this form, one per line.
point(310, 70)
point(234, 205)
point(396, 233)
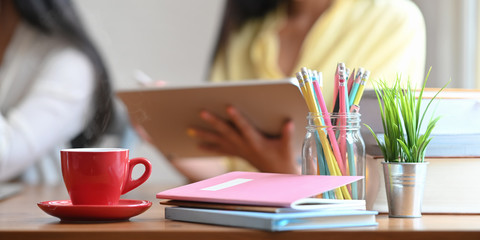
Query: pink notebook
point(254, 188)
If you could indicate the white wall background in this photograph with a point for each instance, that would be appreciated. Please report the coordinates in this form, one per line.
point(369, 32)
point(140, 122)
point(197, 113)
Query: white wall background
point(452, 42)
point(169, 40)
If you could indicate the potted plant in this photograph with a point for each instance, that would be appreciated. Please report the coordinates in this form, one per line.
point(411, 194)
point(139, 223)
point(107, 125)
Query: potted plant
point(403, 145)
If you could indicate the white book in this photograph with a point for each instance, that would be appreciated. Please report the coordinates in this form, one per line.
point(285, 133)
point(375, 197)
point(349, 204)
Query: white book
point(274, 221)
point(302, 205)
point(455, 134)
point(442, 145)
point(451, 185)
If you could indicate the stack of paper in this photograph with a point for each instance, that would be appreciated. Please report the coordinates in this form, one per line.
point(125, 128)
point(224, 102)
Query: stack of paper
point(450, 188)
point(456, 134)
point(453, 153)
point(267, 201)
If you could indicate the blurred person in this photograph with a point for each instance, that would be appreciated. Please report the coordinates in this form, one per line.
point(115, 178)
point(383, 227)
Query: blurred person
point(273, 39)
point(54, 88)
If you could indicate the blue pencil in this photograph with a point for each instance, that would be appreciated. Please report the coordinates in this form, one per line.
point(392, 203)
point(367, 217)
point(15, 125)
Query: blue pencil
point(322, 166)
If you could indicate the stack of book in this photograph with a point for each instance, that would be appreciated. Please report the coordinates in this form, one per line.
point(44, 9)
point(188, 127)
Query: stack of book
point(456, 134)
point(266, 201)
point(450, 187)
point(453, 153)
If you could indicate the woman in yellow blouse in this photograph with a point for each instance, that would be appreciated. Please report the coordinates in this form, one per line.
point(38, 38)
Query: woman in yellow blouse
point(274, 39)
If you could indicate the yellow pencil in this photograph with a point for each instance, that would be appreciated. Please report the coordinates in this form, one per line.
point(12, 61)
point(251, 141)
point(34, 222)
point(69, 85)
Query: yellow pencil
point(361, 88)
point(309, 96)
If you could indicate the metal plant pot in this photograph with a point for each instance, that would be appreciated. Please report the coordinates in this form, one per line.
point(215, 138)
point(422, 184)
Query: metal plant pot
point(404, 185)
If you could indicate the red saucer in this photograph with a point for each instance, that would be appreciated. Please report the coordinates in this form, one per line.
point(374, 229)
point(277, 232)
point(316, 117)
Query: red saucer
point(125, 209)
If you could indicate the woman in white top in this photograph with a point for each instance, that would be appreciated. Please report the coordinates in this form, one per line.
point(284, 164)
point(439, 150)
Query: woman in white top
point(54, 88)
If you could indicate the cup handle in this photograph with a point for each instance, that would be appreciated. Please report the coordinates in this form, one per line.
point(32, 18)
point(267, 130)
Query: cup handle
point(130, 184)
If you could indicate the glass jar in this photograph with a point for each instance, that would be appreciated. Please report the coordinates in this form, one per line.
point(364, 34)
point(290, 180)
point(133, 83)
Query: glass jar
point(334, 146)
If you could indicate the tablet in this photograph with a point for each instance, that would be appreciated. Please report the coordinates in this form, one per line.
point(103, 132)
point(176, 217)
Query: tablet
point(165, 113)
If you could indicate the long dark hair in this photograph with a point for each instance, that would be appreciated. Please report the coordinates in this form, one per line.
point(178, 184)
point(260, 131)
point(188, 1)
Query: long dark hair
point(237, 13)
point(58, 17)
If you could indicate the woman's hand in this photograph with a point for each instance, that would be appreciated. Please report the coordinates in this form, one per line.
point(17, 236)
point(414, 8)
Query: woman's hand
point(240, 138)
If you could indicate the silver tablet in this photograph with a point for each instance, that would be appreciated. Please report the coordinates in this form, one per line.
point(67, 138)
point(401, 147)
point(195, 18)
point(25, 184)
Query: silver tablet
point(165, 113)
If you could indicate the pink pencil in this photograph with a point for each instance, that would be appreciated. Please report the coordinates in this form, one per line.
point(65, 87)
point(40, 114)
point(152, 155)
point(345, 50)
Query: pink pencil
point(335, 85)
point(342, 141)
point(328, 123)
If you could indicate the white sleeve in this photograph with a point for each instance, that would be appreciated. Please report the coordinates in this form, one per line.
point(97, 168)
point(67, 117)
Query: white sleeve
point(54, 111)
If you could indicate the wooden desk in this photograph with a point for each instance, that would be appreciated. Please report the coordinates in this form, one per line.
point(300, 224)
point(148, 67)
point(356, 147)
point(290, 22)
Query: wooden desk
point(20, 218)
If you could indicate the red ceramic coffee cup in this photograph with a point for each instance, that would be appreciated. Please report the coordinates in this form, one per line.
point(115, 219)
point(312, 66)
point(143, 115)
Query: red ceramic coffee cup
point(98, 176)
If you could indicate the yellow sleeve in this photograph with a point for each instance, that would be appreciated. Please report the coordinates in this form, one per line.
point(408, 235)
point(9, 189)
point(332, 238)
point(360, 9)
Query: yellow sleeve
point(218, 71)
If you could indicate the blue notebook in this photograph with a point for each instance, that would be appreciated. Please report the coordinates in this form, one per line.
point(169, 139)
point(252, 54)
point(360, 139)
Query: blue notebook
point(274, 221)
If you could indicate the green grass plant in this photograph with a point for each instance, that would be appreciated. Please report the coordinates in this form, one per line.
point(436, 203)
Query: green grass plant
point(402, 120)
